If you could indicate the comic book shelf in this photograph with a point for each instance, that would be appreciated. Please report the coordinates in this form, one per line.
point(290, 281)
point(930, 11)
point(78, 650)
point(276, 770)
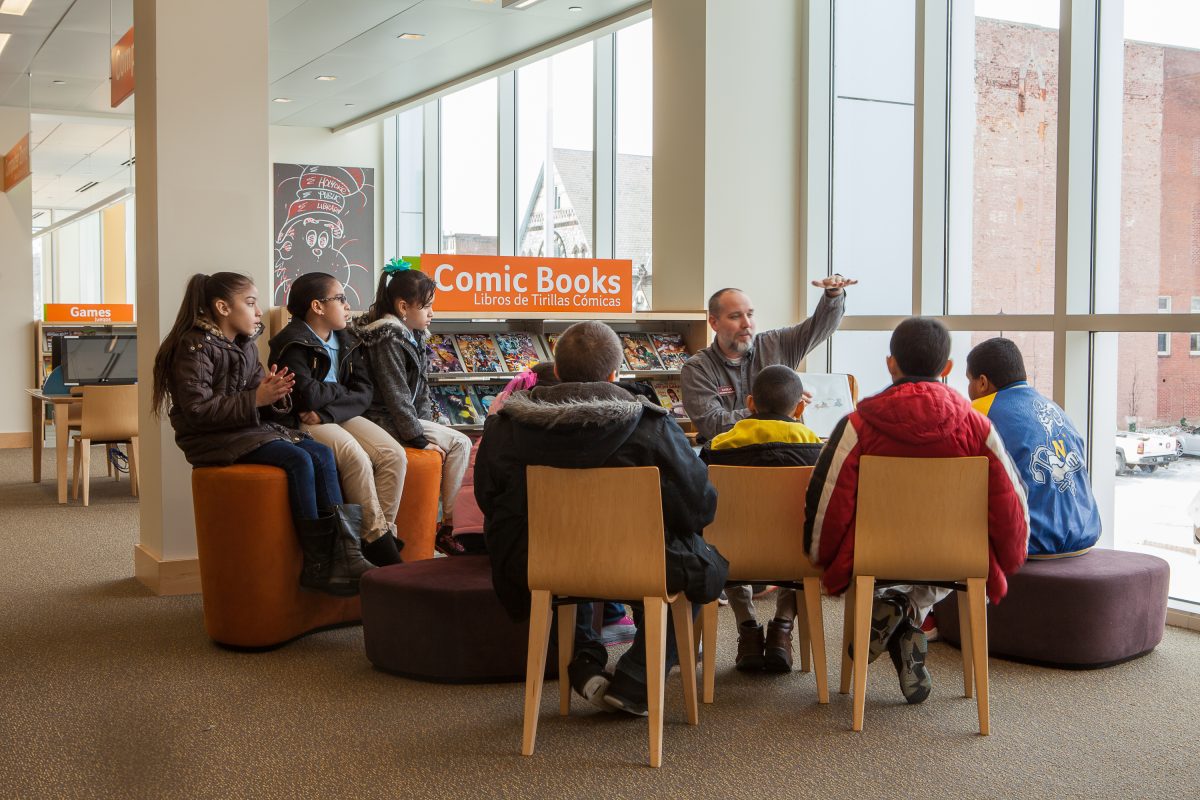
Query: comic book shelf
point(466, 377)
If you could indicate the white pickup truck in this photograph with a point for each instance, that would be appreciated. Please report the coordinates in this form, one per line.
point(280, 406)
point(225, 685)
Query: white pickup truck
point(1146, 450)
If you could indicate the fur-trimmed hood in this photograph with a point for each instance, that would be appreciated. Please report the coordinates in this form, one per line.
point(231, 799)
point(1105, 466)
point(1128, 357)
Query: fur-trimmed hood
point(578, 424)
point(385, 328)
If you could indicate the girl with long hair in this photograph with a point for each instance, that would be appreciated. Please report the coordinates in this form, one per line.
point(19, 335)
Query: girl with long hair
point(220, 401)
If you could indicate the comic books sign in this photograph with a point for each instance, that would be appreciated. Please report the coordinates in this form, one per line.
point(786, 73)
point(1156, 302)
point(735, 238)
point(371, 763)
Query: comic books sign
point(510, 283)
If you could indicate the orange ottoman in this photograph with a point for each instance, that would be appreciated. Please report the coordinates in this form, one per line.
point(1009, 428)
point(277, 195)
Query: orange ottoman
point(250, 560)
point(416, 521)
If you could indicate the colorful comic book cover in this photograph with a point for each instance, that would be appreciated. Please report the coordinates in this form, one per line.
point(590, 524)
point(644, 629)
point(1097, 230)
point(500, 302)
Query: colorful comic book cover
point(454, 402)
point(479, 352)
point(670, 396)
point(518, 350)
point(551, 341)
point(485, 393)
point(442, 355)
point(639, 352)
point(670, 348)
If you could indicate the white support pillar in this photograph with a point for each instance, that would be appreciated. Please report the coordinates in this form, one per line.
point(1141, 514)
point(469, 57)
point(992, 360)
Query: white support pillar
point(203, 160)
point(16, 326)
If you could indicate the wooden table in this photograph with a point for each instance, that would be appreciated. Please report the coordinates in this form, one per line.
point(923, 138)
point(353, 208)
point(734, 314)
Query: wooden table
point(62, 402)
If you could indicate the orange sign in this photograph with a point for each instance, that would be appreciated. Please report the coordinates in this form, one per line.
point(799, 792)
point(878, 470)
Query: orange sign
point(510, 283)
point(98, 313)
point(16, 163)
point(121, 68)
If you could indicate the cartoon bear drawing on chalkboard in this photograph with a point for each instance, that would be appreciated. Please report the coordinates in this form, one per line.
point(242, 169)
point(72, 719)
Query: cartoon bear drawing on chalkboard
point(327, 227)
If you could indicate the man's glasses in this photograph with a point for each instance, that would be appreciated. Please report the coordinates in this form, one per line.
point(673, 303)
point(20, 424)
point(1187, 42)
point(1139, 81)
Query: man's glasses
point(341, 298)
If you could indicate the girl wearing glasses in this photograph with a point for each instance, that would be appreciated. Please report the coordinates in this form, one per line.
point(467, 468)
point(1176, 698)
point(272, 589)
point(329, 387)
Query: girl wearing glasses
point(333, 389)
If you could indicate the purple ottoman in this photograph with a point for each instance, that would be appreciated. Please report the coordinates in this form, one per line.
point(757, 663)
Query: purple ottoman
point(1087, 612)
point(439, 620)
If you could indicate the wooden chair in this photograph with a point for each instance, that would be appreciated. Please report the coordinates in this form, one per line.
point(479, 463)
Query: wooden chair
point(577, 552)
point(108, 414)
point(923, 521)
point(759, 528)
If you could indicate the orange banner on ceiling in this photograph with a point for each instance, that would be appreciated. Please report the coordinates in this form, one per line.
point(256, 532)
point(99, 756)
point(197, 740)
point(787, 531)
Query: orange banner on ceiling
point(121, 68)
point(511, 283)
point(97, 313)
point(16, 163)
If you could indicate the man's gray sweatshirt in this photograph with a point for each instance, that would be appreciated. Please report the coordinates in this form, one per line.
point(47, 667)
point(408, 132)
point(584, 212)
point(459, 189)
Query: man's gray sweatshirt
point(715, 388)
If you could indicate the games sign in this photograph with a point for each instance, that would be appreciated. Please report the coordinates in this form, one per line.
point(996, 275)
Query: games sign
point(510, 283)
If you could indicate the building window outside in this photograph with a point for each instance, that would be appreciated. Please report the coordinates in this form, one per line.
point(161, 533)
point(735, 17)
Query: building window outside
point(470, 170)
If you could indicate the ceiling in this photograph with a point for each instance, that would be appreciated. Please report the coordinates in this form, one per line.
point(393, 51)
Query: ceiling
point(57, 63)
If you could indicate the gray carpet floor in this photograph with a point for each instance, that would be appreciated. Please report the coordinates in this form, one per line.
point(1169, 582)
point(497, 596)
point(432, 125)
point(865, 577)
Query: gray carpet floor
point(108, 691)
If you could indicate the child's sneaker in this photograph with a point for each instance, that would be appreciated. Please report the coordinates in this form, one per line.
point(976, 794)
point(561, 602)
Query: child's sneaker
point(751, 643)
point(446, 544)
point(908, 649)
point(722, 600)
point(627, 694)
point(886, 616)
point(621, 632)
point(589, 680)
point(929, 628)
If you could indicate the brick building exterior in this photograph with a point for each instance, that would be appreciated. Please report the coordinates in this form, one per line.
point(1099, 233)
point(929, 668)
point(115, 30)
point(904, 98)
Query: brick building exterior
point(1014, 205)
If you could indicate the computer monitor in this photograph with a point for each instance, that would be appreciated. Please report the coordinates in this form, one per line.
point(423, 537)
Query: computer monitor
point(99, 358)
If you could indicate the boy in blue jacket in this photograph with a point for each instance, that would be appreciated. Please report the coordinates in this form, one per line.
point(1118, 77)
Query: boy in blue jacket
point(1046, 448)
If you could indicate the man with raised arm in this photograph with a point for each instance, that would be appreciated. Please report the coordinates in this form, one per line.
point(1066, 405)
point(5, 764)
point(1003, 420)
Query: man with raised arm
point(717, 379)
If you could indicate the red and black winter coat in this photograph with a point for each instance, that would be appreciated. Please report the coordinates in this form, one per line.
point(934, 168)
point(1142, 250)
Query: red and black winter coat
point(921, 418)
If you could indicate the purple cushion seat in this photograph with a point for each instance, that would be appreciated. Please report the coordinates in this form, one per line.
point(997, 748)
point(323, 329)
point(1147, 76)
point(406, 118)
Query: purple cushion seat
point(1091, 611)
point(439, 620)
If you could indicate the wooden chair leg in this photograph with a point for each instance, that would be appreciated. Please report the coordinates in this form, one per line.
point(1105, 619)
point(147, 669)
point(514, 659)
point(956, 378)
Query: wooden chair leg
point(656, 650)
point(847, 638)
point(977, 597)
point(75, 473)
point(566, 647)
point(133, 465)
point(964, 636)
point(864, 592)
point(681, 617)
point(816, 635)
point(709, 618)
point(535, 666)
point(803, 638)
point(86, 468)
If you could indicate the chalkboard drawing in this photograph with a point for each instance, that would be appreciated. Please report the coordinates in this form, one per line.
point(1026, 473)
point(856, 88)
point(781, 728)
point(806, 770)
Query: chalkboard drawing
point(325, 222)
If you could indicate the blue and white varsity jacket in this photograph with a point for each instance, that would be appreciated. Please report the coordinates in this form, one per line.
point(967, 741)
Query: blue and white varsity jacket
point(1049, 455)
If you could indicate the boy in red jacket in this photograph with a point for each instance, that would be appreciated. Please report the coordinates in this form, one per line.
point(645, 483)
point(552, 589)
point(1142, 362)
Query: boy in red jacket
point(917, 416)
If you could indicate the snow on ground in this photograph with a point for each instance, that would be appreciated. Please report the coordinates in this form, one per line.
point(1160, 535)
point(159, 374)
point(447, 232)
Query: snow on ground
point(1152, 517)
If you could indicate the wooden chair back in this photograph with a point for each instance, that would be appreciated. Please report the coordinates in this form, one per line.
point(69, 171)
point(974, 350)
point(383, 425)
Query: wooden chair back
point(922, 519)
point(109, 413)
point(277, 319)
point(596, 532)
point(759, 526)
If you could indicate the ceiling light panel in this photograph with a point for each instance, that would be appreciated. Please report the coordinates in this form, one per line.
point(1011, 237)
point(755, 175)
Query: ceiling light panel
point(15, 7)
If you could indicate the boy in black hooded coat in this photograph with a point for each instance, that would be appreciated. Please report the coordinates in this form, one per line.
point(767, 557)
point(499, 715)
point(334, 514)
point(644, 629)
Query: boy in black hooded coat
point(587, 421)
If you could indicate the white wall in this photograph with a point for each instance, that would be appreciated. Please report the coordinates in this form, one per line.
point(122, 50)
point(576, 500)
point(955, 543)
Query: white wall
point(362, 147)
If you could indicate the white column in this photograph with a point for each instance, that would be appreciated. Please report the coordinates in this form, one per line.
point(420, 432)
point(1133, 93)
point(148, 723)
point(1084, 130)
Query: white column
point(202, 145)
point(16, 326)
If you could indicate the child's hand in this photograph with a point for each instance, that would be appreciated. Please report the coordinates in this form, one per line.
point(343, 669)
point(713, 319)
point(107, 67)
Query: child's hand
point(276, 385)
point(436, 449)
point(310, 418)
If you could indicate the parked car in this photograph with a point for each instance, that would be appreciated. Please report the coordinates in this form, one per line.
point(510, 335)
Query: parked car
point(1189, 442)
point(1146, 450)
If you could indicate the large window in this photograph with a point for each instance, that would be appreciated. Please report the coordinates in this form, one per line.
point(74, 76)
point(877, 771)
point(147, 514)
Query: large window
point(873, 150)
point(554, 155)
point(632, 194)
point(469, 170)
